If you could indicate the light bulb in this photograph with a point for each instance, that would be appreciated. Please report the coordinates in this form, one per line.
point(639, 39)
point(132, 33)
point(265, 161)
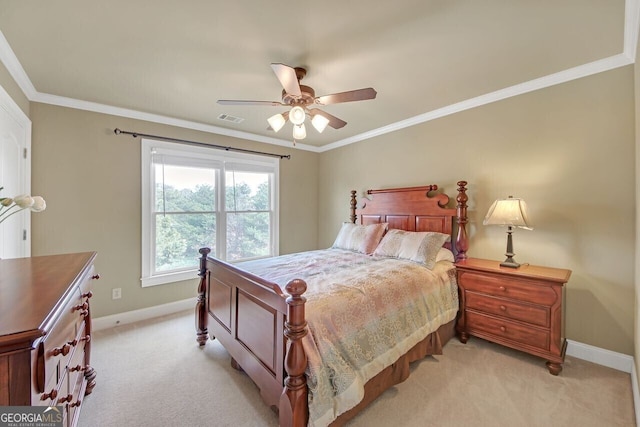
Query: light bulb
point(299, 132)
point(319, 122)
point(297, 115)
point(276, 122)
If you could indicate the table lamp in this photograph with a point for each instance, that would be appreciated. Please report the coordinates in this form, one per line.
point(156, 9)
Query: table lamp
point(512, 213)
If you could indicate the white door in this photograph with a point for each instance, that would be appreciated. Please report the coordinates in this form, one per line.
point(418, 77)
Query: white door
point(15, 176)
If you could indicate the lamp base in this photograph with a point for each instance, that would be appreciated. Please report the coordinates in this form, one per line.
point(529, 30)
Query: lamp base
point(509, 262)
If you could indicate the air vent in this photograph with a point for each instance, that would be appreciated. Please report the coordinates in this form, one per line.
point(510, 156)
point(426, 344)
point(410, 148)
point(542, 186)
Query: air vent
point(232, 119)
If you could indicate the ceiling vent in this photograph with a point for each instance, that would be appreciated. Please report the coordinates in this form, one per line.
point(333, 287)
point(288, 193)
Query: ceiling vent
point(232, 119)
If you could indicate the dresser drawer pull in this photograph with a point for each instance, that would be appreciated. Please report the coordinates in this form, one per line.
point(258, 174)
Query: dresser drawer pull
point(87, 295)
point(502, 288)
point(503, 328)
point(52, 395)
point(64, 350)
point(66, 398)
point(503, 308)
point(76, 403)
point(78, 368)
point(95, 276)
point(83, 306)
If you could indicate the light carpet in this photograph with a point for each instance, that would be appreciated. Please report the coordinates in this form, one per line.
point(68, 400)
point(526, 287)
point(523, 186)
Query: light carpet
point(153, 373)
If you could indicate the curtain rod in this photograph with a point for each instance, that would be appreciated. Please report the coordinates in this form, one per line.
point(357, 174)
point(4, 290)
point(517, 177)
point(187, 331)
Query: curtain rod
point(201, 144)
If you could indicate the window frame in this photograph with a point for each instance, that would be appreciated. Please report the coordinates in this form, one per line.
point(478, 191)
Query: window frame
point(198, 154)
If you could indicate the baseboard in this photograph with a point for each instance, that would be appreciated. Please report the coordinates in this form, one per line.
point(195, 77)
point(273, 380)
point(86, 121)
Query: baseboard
point(600, 356)
point(113, 320)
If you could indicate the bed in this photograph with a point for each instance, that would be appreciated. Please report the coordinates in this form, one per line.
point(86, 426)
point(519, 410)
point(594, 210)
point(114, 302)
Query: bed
point(257, 309)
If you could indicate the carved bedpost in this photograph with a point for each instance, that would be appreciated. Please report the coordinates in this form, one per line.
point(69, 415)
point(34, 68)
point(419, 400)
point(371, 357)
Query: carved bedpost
point(462, 240)
point(294, 411)
point(354, 203)
point(201, 303)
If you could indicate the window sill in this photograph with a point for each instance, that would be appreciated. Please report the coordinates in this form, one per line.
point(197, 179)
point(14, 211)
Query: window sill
point(162, 279)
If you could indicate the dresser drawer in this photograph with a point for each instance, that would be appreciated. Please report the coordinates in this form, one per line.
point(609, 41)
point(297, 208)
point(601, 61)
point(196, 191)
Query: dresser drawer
point(505, 286)
point(57, 346)
point(503, 328)
point(534, 314)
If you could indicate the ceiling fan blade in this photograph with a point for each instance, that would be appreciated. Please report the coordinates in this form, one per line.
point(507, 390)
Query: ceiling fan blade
point(334, 122)
point(288, 78)
point(349, 96)
point(240, 102)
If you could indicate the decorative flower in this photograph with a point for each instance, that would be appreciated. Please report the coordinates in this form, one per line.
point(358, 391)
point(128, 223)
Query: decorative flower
point(10, 206)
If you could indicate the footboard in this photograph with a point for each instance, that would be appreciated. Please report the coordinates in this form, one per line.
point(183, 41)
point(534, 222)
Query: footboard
point(253, 319)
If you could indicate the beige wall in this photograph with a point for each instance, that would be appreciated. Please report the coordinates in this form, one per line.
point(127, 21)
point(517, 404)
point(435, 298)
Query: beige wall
point(90, 179)
point(568, 150)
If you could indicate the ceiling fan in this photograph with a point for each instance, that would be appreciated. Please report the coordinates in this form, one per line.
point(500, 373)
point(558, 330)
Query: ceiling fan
point(300, 98)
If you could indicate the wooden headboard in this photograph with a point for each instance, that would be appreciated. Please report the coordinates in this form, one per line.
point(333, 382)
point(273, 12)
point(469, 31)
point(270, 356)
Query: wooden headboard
point(413, 209)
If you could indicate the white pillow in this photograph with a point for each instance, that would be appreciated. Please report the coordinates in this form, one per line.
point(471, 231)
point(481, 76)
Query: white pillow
point(360, 238)
point(445, 254)
point(421, 247)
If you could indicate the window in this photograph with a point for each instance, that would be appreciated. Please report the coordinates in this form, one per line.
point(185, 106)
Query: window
point(194, 197)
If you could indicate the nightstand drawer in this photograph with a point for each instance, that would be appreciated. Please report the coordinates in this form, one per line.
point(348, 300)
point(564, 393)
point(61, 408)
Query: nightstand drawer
point(530, 336)
point(507, 287)
point(534, 314)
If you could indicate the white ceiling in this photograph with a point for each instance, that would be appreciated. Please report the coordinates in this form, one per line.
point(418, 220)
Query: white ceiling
point(169, 61)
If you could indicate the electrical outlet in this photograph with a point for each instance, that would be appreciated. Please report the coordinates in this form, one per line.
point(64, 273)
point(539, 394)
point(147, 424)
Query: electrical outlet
point(116, 293)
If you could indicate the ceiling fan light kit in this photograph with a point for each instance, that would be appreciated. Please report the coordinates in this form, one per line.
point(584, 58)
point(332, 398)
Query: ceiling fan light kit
point(297, 115)
point(299, 132)
point(276, 122)
point(319, 122)
point(300, 97)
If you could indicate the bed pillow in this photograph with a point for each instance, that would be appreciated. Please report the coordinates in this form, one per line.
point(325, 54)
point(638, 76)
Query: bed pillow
point(421, 247)
point(445, 254)
point(360, 238)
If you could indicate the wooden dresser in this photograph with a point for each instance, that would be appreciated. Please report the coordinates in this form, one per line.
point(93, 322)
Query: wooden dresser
point(45, 331)
point(521, 308)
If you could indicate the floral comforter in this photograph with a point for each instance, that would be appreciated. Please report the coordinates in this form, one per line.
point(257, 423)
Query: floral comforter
point(363, 313)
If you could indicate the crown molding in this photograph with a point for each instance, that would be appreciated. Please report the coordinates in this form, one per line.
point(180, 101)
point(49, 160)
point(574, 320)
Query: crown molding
point(631, 28)
point(61, 101)
point(519, 89)
point(628, 56)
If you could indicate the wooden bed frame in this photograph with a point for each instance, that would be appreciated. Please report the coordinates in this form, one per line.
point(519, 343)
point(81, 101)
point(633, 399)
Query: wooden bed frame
point(261, 327)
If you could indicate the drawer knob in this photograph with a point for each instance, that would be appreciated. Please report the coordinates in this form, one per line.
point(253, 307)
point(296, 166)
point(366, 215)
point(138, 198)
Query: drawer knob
point(503, 328)
point(64, 350)
point(95, 276)
point(52, 395)
point(503, 308)
point(78, 368)
point(76, 403)
point(502, 288)
point(87, 295)
point(66, 398)
point(82, 306)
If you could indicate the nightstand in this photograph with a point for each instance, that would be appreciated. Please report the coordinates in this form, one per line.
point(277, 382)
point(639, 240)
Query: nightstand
point(521, 308)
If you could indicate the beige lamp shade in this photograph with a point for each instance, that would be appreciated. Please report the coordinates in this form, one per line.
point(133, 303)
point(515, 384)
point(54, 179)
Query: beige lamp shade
point(509, 212)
